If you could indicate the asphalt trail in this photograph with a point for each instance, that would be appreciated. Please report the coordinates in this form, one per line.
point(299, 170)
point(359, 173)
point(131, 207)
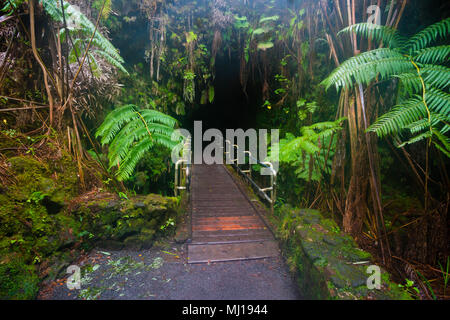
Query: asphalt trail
point(162, 273)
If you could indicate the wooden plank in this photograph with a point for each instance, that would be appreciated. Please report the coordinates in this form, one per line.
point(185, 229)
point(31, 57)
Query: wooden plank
point(201, 253)
point(262, 232)
point(225, 226)
point(225, 237)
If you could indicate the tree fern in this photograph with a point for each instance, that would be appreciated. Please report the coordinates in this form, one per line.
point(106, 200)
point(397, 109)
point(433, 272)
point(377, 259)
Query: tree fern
point(131, 132)
point(427, 36)
point(436, 76)
point(388, 35)
point(424, 107)
point(364, 68)
point(81, 28)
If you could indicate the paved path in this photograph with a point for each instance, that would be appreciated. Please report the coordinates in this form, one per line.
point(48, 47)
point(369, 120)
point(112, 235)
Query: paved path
point(164, 274)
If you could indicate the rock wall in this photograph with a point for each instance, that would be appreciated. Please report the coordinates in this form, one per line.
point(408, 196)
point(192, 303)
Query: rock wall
point(327, 262)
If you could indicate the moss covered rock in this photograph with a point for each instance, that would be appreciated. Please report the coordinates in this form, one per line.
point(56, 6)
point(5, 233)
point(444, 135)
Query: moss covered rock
point(127, 221)
point(58, 183)
point(18, 280)
point(327, 262)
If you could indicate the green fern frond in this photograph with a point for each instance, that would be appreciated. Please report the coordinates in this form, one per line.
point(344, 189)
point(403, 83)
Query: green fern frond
point(107, 49)
point(137, 152)
point(121, 144)
point(410, 82)
point(389, 36)
point(93, 64)
point(130, 133)
point(292, 147)
point(423, 81)
point(150, 115)
point(365, 67)
point(289, 151)
point(111, 60)
point(126, 167)
point(436, 76)
point(86, 28)
point(421, 40)
point(53, 9)
point(399, 117)
point(424, 124)
point(418, 138)
point(11, 6)
point(433, 55)
point(328, 124)
point(438, 101)
point(107, 9)
point(445, 148)
point(114, 121)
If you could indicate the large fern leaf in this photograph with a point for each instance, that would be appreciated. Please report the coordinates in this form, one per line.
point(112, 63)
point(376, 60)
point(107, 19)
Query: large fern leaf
point(433, 55)
point(399, 117)
point(365, 67)
point(389, 36)
point(114, 121)
point(424, 38)
point(436, 76)
point(424, 109)
point(131, 132)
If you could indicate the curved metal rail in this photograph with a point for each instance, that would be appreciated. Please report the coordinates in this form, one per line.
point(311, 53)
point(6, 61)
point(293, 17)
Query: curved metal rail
point(247, 173)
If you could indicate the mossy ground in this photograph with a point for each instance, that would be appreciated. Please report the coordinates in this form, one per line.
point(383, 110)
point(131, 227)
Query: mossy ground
point(45, 225)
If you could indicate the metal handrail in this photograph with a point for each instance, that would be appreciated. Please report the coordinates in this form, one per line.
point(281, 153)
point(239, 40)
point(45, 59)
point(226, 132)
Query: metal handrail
point(182, 169)
point(248, 175)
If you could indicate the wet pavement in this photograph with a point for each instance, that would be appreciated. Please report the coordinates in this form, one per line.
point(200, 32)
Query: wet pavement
point(162, 273)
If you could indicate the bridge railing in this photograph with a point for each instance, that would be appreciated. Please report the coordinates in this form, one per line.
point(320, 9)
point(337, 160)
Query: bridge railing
point(268, 193)
point(183, 169)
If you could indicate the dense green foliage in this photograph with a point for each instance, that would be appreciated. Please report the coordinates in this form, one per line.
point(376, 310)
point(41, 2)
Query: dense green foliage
point(230, 63)
point(312, 152)
point(423, 107)
point(81, 30)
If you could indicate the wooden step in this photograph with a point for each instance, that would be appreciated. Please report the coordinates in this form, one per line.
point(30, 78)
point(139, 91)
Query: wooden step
point(261, 233)
point(231, 238)
point(205, 253)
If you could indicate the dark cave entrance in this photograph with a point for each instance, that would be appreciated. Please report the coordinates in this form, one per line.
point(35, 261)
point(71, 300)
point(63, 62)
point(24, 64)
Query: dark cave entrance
point(231, 108)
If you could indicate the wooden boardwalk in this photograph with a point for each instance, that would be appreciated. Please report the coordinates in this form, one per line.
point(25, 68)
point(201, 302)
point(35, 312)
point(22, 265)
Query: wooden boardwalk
point(225, 225)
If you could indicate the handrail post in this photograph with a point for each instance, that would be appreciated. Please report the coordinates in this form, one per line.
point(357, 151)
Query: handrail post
point(249, 170)
point(182, 166)
point(273, 182)
point(248, 174)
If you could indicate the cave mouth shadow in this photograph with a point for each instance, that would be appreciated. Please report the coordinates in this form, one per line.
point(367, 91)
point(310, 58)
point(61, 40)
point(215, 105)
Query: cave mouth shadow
point(231, 108)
